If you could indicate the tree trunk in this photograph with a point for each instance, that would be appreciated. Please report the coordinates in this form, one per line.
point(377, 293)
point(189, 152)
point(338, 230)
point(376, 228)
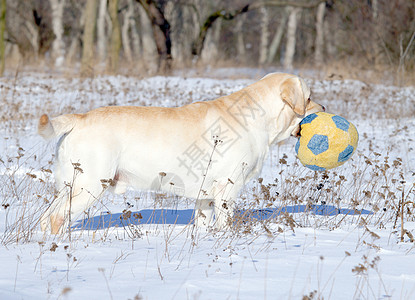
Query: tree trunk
point(115, 45)
point(58, 46)
point(75, 46)
point(210, 52)
point(149, 56)
point(137, 48)
point(101, 33)
point(240, 42)
point(127, 24)
point(330, 38)
point(2, 29)
point(229, 15)
point(379, 55)
point(276, 40)
point(32, 34)
point(161, 31)
point(319, 44)
point(183, 20)
point(87, 62)
point(291, 33)
point(210, 20)
point(263, 46)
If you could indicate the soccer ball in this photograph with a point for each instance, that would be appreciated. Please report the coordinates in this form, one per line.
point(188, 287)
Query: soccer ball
point(327, 141)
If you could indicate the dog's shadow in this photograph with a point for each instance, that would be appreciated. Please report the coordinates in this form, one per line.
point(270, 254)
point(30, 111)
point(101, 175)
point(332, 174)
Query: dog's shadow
point(186, 216)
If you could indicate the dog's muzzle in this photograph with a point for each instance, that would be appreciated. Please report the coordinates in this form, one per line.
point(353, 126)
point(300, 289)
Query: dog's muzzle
point(296, 131)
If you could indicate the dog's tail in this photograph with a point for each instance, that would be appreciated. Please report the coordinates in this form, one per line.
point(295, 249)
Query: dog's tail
point(56, 127)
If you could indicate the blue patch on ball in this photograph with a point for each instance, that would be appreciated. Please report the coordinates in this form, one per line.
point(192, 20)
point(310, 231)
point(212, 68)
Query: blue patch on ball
point(315, 168)
point(308, 119)
point(345, 155)
point(341, 123)
point(318, 144)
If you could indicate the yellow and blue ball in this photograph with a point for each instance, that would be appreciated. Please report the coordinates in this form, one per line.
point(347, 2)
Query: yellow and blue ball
point(327, 141)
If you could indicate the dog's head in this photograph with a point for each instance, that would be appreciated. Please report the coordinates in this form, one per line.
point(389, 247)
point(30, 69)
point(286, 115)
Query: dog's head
point(296, 94)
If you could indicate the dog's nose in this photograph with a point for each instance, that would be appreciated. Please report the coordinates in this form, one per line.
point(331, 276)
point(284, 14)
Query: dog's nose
point(323, 107)
point(296, 132)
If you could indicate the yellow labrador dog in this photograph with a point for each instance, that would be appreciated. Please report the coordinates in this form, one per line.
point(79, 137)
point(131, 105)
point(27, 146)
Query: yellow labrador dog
point(209, 149)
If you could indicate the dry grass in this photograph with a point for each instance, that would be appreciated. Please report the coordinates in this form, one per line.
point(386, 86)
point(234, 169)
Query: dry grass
point(377, 184)
point(30, 192)
point(25, 193)
point(375, 180)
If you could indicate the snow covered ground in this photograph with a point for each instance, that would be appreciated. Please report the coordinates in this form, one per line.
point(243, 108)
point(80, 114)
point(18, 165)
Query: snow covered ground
point(299, 234)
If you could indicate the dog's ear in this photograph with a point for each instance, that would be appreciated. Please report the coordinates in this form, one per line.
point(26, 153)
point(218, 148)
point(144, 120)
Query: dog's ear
point(292, 93)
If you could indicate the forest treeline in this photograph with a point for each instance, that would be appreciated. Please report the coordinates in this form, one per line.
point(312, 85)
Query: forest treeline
point(153, 36)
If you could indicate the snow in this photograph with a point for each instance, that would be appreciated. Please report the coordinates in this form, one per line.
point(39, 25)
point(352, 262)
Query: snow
point(283, 248)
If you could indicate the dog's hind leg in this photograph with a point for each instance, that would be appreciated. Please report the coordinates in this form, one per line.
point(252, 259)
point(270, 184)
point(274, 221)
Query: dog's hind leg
point(204, 209)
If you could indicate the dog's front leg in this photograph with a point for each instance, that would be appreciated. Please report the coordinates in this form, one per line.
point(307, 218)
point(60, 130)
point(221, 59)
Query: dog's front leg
point(53, 218)
point(70, 204)
point(225, 195)
point(224, 212)
point(204, 209)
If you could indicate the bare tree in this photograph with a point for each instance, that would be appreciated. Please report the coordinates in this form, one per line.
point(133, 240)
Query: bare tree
point(225, 14)
point(101, 32)
point(276, 40)
point(207, 24)
point(2, 29)
point(402, 57)
point(115, 44)
point(263, 44)
point(128, 23)
point(58, 46)
point(77, 34)
point(184, 20)
point(161, 31)
point(87, 61)
point(210, 51)
point(150, 56)
point(136, 42)
point(319, 44)
point(240, 42)
point(32, 34)
point(376, 32)
point(291, 39)
point(330, 35)
point(28, 26)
